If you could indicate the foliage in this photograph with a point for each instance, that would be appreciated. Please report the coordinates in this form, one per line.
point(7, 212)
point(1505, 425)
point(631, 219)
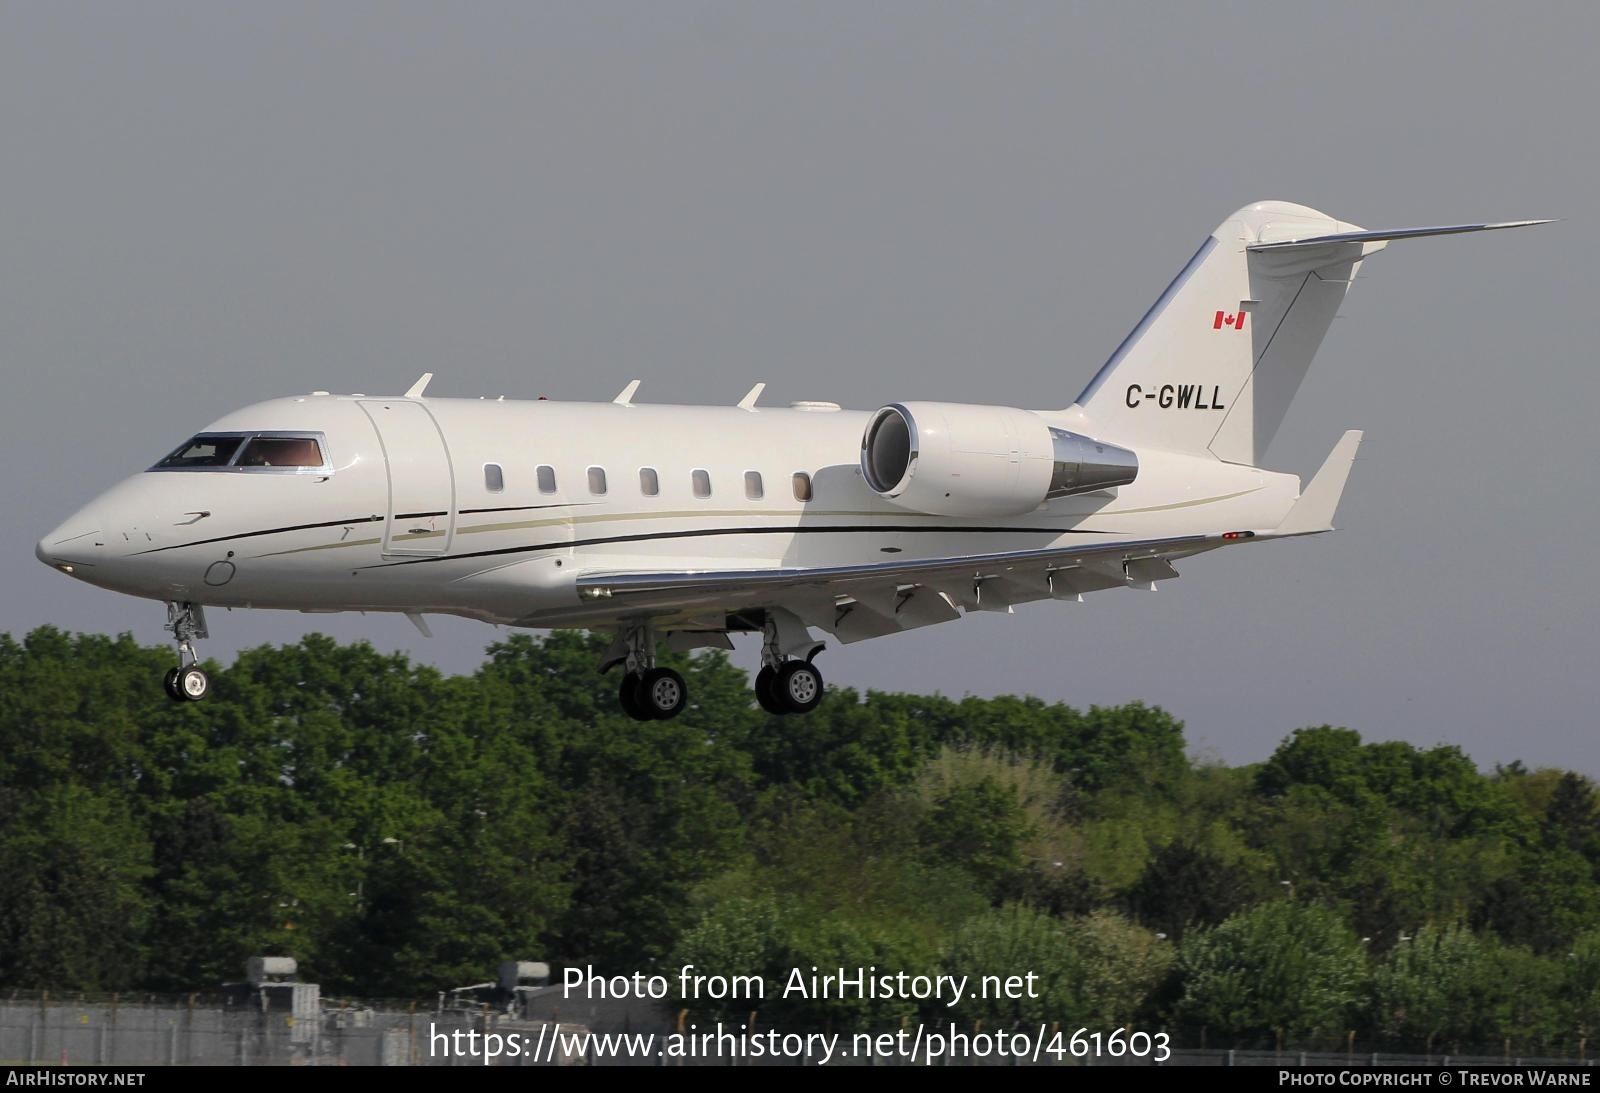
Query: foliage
point(401, 832)
point(1284, 972)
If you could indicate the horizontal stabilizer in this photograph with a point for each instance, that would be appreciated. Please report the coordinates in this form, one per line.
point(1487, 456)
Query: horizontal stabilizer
point(1319, 500)
point(1234, 334)
point(1385, 236)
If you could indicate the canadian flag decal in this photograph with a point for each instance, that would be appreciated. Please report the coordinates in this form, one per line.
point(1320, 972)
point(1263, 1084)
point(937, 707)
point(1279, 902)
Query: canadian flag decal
point(1223, 319)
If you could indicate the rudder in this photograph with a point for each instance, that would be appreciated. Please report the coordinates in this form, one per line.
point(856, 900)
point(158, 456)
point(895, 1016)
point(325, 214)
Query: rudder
point(1216, 361)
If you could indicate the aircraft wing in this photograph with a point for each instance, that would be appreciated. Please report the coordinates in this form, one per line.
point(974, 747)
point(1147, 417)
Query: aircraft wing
point(870, 599)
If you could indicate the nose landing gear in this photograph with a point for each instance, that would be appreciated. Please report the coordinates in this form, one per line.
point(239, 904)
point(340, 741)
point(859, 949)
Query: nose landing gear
point(187, 682)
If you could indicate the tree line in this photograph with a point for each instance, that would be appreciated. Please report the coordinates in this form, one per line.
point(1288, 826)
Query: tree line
point(399, 832)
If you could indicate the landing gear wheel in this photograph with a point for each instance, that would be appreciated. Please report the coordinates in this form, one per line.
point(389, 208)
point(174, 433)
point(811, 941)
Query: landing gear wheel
point(628, 698)
point(766, 697)
point(662, 693)
point(193, 683)
point(170, 683)
point(799, 686)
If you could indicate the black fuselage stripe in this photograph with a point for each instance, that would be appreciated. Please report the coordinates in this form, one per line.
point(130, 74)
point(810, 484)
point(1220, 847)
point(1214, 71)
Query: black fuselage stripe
point(507, 508)
point(373, 519)
point(848, 529)
point(268, 531)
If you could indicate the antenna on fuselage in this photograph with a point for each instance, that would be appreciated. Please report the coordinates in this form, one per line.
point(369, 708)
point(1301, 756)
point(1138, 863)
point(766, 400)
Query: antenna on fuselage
point(420, 386)
point(625, 396)
point(749, 400)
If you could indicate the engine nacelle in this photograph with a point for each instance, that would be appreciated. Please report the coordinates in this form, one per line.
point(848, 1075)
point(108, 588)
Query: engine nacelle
point(953, 459)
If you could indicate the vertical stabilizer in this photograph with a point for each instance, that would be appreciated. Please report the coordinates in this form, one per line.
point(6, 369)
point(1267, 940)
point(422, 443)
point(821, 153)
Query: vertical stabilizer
point(1215, 363)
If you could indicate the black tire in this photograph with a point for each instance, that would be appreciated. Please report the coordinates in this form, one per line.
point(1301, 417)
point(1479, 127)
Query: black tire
point(766, 696)
point(628, 698)
point(663, 694)
point(193, 683)
point(170, 685)
point(799, 686)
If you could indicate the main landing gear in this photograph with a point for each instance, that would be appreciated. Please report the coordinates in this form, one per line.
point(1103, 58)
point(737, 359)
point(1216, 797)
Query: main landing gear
point(648, 692)
point(656, 694)
point(787, 683)
point(187, 682)
point(795, 686)
point(784, 685)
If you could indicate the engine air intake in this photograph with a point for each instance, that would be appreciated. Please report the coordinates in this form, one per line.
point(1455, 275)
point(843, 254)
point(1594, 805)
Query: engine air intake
point(949, 459)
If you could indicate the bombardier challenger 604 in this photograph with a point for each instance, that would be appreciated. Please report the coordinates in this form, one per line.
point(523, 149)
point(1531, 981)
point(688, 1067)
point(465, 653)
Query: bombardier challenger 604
point(688, 524)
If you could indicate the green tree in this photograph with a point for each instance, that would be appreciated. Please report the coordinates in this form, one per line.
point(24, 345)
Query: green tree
point(1572, 818)
point(1425, 992)
point(1580, 987)
point(72, 909)
point(1016, 941)
point(741, 936)
point(1282, 972)
point(641, 815)
point(1185, 886)
point(1547, 901)
point(980, 828)
point(1120, 966)
point(1098, 970)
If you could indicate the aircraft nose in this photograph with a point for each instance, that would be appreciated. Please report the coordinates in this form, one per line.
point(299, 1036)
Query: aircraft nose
point(75, 543)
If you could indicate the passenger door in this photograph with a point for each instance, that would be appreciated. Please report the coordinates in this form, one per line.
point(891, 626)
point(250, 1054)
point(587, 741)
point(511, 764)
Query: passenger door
point(421, 519)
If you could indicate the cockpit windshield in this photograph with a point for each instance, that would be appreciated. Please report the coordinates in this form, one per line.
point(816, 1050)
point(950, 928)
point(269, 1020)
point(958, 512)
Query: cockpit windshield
point(203, 451)
point(294, 453)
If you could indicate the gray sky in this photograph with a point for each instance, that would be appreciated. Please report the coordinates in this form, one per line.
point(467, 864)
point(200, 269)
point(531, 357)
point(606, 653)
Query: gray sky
point(202, 206)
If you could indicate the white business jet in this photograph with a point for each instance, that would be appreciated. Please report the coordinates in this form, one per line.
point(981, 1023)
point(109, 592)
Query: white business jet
point(686, 525)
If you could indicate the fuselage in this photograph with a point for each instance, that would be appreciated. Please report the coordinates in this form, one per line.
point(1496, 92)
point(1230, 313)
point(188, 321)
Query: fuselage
point(493, 509)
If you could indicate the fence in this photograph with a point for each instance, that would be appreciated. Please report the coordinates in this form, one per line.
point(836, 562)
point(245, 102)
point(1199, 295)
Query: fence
point(176, 1034)
point(189, 1032)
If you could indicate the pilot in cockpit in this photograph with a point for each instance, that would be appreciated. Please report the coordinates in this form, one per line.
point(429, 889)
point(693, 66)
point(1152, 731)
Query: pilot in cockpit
point(214, 451)
point(281, 452)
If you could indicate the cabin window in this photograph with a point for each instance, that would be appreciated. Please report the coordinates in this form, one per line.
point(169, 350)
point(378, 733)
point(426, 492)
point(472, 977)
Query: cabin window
point(546, 477)
point(802, 486)
point(702, 483)
point(494, 479)
point(752, 486)
point(597, 481)
point(649, 481)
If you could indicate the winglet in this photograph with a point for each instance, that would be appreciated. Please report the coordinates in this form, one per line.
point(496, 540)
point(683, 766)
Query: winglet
point(749, 400)
point(625, 396)
point(1319, 500)
point(420, 386)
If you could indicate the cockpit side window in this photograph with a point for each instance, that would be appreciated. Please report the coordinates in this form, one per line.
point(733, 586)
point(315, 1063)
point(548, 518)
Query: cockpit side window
point(283, 452)
point(205, 450)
